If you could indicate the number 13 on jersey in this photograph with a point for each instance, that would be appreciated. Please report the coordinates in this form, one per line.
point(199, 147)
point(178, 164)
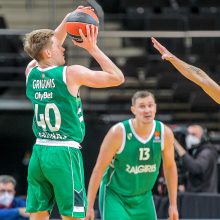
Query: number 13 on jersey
point(144, 153)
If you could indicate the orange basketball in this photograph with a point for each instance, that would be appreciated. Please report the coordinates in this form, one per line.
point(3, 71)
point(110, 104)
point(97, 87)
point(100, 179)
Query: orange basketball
point(78, 19)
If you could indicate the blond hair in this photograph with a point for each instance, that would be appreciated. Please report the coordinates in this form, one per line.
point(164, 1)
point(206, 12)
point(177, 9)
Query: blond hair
point(37, 40)
point(141, 94)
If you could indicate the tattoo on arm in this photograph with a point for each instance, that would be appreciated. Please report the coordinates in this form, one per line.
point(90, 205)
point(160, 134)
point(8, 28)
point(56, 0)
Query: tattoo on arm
point(195, 70)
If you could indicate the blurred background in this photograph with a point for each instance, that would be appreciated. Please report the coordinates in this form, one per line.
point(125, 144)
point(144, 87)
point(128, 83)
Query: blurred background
point(190, 29)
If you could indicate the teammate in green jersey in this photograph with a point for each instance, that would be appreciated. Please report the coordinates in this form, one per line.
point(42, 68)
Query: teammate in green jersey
point(128, 165)
point(55, 171)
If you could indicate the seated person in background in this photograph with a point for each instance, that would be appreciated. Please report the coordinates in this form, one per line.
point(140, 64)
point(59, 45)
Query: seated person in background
point(11, 207)
point(199, 160)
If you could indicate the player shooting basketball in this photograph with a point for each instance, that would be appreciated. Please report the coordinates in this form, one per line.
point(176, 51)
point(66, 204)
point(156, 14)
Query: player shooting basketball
point(55, 171)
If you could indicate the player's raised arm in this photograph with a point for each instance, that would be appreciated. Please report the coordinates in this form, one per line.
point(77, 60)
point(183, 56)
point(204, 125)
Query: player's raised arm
point(192, 73)
point(110, 75)
point(170, 172)
point(109, 148)
point(60, 32)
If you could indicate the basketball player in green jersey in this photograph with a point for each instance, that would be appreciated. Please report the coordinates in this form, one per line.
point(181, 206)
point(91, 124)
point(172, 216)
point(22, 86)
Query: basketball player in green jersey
point(55, 171)
point(192, 73)
point(128, 165)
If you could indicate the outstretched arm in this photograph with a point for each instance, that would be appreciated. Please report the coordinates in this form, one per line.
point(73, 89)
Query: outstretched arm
point(109, 148)
point(192, 73)
point(170, 172)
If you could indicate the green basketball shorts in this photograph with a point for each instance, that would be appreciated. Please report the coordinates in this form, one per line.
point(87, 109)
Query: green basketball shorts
point(115, 206)
point(56, 173)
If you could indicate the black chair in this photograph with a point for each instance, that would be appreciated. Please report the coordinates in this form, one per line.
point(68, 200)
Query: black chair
point(137, 3)
point(133, 65)
point(155, 67)
point(201, 102)
point(134, 18)
point(183, 89)
point(166, 80)
point(202, 21)
point(208, 3)
point(165, 22)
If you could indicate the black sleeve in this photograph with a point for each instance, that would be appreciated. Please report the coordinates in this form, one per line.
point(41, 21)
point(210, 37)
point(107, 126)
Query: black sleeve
point(199, 164)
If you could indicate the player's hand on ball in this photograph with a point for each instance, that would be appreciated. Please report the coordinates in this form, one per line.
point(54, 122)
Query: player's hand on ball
point(166, 55)
point(88, 7)
point(89, 41)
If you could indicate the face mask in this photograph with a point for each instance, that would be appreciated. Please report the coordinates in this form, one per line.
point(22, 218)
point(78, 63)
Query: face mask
point(192, 141)
point(6, 199)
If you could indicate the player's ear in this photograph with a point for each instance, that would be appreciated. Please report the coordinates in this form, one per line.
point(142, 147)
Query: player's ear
point(46, 53)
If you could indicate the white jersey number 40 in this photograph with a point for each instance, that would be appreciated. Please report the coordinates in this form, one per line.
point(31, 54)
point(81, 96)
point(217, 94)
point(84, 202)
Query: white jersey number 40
point(44, 119)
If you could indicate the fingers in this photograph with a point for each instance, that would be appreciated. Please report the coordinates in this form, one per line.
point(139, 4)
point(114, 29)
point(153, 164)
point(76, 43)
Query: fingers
point(88, 32)
point(92, 29)
point(157, 45)
point(75, 42)
point(96, 31)
point(87, 7)
point(92, 32)
point(82, 35)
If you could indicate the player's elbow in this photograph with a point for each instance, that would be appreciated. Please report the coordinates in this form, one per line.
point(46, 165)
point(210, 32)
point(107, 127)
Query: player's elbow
point(216, 99)
point(119, 80)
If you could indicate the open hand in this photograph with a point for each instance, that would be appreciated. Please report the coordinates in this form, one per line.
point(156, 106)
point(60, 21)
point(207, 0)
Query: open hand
point(166, 55)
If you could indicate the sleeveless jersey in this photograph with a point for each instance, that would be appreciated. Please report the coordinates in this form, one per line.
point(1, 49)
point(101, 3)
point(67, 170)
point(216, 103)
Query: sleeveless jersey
point(57, 114)
point(134, 169)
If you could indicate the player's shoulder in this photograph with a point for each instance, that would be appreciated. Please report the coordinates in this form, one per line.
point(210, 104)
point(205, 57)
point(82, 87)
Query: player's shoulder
point(30, 66)
point(76, 69)
point(117, 130)
point(168, 131)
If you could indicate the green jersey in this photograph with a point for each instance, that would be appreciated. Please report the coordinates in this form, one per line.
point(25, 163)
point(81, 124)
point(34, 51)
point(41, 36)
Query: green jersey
point(57, 114)
point(134, 169)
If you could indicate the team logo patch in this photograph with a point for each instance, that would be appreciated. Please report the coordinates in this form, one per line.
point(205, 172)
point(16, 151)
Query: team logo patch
point(129, 136)
point(157, 136)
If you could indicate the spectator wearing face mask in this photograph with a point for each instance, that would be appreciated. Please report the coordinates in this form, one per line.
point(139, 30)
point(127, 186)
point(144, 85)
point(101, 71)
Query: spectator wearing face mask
point(11, 207)
point(199, 158)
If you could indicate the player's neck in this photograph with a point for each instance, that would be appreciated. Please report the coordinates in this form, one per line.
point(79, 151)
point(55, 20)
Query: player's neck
point(142, 129)
point(45, 64)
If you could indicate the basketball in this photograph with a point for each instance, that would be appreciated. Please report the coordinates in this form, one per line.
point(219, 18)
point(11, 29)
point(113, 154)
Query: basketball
point(78, 19)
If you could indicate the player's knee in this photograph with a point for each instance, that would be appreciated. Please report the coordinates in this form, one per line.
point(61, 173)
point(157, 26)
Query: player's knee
point(44, 215)
point(71, 218)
